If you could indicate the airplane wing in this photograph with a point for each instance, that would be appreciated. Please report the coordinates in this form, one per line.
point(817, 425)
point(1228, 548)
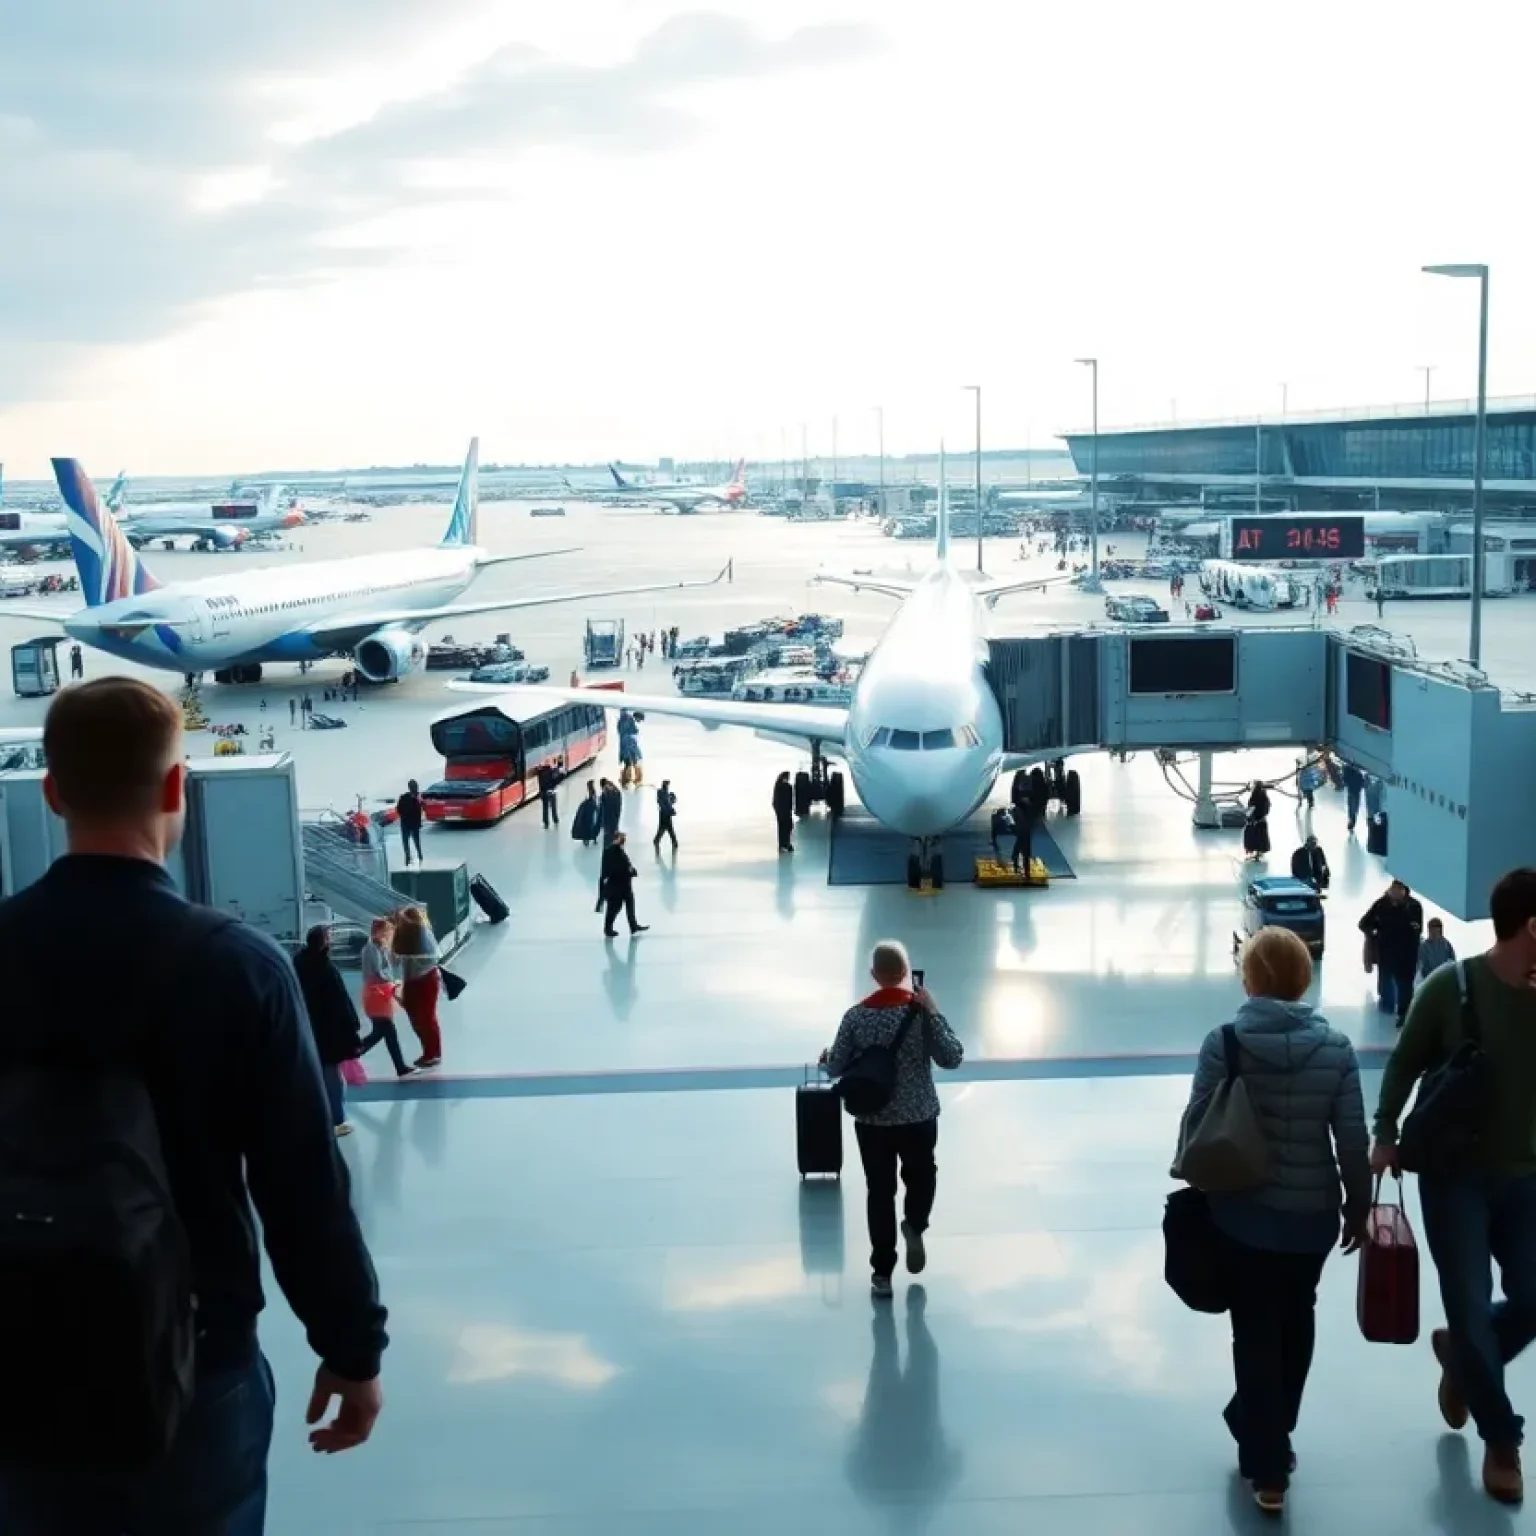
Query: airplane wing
point(823, 723)
point(886, 586)
point(343, 633)
point(536, 554)
point(10, 610)
point(990, 591)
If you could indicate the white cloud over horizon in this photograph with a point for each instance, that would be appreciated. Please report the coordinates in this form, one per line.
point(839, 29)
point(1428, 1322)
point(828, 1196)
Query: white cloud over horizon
point(353, 231)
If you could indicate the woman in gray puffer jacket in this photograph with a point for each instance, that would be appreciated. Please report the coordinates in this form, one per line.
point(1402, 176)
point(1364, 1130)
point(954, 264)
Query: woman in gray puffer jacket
point(1304, 1084)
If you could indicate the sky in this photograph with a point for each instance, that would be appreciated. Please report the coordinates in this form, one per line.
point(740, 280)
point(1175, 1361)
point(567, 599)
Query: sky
point(327, 233)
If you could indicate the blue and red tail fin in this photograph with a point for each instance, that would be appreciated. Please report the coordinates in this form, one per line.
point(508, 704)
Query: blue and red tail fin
point(109, 566)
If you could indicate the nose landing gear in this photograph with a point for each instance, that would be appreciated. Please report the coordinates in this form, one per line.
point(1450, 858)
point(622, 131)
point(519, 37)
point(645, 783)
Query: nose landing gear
point(925, 863)
point(821, 784)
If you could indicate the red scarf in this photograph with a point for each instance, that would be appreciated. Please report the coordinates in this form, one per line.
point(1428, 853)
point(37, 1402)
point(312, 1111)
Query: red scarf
point(888, 997)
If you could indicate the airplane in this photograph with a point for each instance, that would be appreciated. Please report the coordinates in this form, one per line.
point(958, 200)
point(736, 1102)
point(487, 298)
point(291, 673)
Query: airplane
point(685, 498)
point(374, 606)
point(922, 736)
point(230, 526)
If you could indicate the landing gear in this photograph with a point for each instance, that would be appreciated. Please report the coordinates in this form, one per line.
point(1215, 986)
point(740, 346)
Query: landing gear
point(1056, 782)
point(250, 673)
point(925, 862)
point(820, 785)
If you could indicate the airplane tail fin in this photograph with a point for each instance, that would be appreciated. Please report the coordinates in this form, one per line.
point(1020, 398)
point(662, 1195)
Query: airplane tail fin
point(618, 479)
point(464, 525)
point(943, 517)
point(117, 493)
point(273, 500)
point(108, 564)
point(739, 474)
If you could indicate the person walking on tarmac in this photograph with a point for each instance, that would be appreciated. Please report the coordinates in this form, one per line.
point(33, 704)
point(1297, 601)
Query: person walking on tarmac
point(610, 807)
point(587, 824)
point(666, 810)
point(1354, 787)
point(784, 812)
point(1023, 838)
point(1309, 864)
point(1256, 832)
point(408, 810)
point(1393, 925)
point(76, 663)
point(548, 777)
point(616, 888)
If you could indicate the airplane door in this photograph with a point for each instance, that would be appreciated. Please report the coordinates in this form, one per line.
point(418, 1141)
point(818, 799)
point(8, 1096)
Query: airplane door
point(219, 614)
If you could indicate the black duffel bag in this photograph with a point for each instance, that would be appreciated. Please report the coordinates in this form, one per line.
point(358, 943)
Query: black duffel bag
point(1443, 1133)
point(868, 1082)
point(1197, 1258)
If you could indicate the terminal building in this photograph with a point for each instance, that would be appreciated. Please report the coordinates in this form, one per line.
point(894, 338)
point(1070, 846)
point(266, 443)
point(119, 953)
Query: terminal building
point(1405, 458)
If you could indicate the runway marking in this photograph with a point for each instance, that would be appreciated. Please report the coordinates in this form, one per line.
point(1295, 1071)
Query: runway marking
point(543, 1085)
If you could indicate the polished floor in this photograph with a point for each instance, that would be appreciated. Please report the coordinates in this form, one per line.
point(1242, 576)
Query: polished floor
point(617, 1311)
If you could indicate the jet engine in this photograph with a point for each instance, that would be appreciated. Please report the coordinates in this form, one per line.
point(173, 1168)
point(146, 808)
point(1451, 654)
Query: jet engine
point(389, 655)
point(223, 538)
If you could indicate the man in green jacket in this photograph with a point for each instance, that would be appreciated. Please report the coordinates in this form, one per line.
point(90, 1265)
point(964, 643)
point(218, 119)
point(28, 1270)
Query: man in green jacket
point(1489, 1213)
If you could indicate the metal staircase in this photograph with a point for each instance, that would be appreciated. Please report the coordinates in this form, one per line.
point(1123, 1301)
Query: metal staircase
point(349, 877)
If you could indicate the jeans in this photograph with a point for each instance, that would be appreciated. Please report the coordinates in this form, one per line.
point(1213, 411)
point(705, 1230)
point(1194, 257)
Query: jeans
point(213, 1483)
point(551, 808)
point(409, 835)
point(1471, 1222)
point(1274, 1328)
point(882, 1148)
point(384, 1029)
point(335, 1091)
point(1394, 986)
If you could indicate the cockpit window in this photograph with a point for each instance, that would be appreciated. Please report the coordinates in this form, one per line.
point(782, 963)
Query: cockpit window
point(876, 736)
point(936, 741)
point(905, 741)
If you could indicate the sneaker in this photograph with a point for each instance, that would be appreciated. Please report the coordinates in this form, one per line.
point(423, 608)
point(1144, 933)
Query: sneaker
point(880, 1287)
point(1271, 1501)
point(344, 1129)
point(917, 1254)
point(1501, 1474)
point(641, 928)
point(1453, 1406)
point(406, 1072)
point(430, 1061)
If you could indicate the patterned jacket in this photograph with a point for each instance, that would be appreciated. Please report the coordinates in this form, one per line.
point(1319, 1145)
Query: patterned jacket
point(876, 1021)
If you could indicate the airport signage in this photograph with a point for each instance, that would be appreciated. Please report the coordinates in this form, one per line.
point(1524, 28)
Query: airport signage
point(1272, 539)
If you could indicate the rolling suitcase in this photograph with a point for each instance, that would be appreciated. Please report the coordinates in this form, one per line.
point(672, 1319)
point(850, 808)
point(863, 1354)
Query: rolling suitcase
point(1387, 1293)
point(818, 1127)
point(1376, 835)
point(487, 899)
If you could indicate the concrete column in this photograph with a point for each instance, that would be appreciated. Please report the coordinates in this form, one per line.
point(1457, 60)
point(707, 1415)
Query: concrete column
point(1205, 816)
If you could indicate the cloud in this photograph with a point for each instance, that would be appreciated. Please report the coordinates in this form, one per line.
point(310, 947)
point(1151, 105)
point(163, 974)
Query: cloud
point(139, 168)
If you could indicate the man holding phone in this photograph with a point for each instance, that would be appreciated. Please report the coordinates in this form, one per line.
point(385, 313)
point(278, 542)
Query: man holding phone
point(905, 1131)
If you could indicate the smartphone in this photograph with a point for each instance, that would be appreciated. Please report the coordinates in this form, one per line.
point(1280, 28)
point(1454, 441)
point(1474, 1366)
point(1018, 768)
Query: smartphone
point(917, 978)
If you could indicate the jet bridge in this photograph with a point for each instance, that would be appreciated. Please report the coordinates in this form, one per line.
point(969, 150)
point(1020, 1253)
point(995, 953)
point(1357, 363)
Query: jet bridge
point(1457, 753)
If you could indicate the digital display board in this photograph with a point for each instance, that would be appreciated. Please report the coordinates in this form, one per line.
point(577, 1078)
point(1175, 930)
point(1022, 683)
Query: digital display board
point(10, 521)
point(1197, 664)
point(1323, 537)
point(1368, 690)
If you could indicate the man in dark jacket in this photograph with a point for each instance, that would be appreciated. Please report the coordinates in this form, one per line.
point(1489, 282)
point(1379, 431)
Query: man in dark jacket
point(666, 807)
point(906, 1131)
point(616, 888)
point(1309, 864)
point(242, 1120)
point(1354, 787)
point(1394, 924)
point(408, 809)
point(332, 1018)
point(784, 812)
point(549, 777)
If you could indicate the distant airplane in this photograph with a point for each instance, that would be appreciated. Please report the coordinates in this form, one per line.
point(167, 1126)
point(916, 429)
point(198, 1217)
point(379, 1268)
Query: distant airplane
point(686, 498)
point(923, 735)
point(374, 606)
point(219, 526)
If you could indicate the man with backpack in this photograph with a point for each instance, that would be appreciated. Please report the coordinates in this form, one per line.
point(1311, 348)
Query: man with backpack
point(884, 1054)
point(1477, 1166)
point(156, 1102)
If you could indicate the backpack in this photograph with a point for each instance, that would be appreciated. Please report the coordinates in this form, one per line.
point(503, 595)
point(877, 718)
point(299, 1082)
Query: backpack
point(1443, 1133)
point(97, 1312)
point(869, 1082)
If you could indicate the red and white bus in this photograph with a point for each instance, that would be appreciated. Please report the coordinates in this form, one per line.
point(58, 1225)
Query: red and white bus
point(493, 760)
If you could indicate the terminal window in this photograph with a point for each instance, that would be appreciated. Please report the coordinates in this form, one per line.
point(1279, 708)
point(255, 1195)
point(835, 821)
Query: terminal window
point(1368, 690)
point(1207, 664)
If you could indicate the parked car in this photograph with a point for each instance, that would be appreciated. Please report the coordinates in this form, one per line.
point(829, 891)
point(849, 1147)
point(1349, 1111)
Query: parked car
point(1278, 901)
point(1135, 610)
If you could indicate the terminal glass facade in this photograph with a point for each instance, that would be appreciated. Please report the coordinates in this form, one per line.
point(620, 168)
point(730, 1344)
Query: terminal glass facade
point(1404, 448)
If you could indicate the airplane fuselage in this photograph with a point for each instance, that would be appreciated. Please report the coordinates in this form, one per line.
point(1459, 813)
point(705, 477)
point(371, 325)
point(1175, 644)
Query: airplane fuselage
point(924, 740)
point(264, 615)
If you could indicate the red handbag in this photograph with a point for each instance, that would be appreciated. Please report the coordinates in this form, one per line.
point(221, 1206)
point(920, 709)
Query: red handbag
point(1387, 1298)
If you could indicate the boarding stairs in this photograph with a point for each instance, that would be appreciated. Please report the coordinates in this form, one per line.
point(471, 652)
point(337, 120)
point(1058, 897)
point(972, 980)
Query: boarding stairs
point(349, 877)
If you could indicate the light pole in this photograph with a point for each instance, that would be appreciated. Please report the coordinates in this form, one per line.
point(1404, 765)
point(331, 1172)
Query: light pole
point(834, 466)
point(976, 390)
point(1093, 584)
point(1479, 444)
point(880, 421)
point(1427, 369)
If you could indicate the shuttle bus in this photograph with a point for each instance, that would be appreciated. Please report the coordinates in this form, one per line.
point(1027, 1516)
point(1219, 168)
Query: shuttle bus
point(1262, 588)
point(492, 760)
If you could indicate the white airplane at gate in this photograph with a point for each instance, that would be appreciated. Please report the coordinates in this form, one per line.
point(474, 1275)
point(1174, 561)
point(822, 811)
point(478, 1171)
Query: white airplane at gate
point(373, 606)
point(922, 737)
